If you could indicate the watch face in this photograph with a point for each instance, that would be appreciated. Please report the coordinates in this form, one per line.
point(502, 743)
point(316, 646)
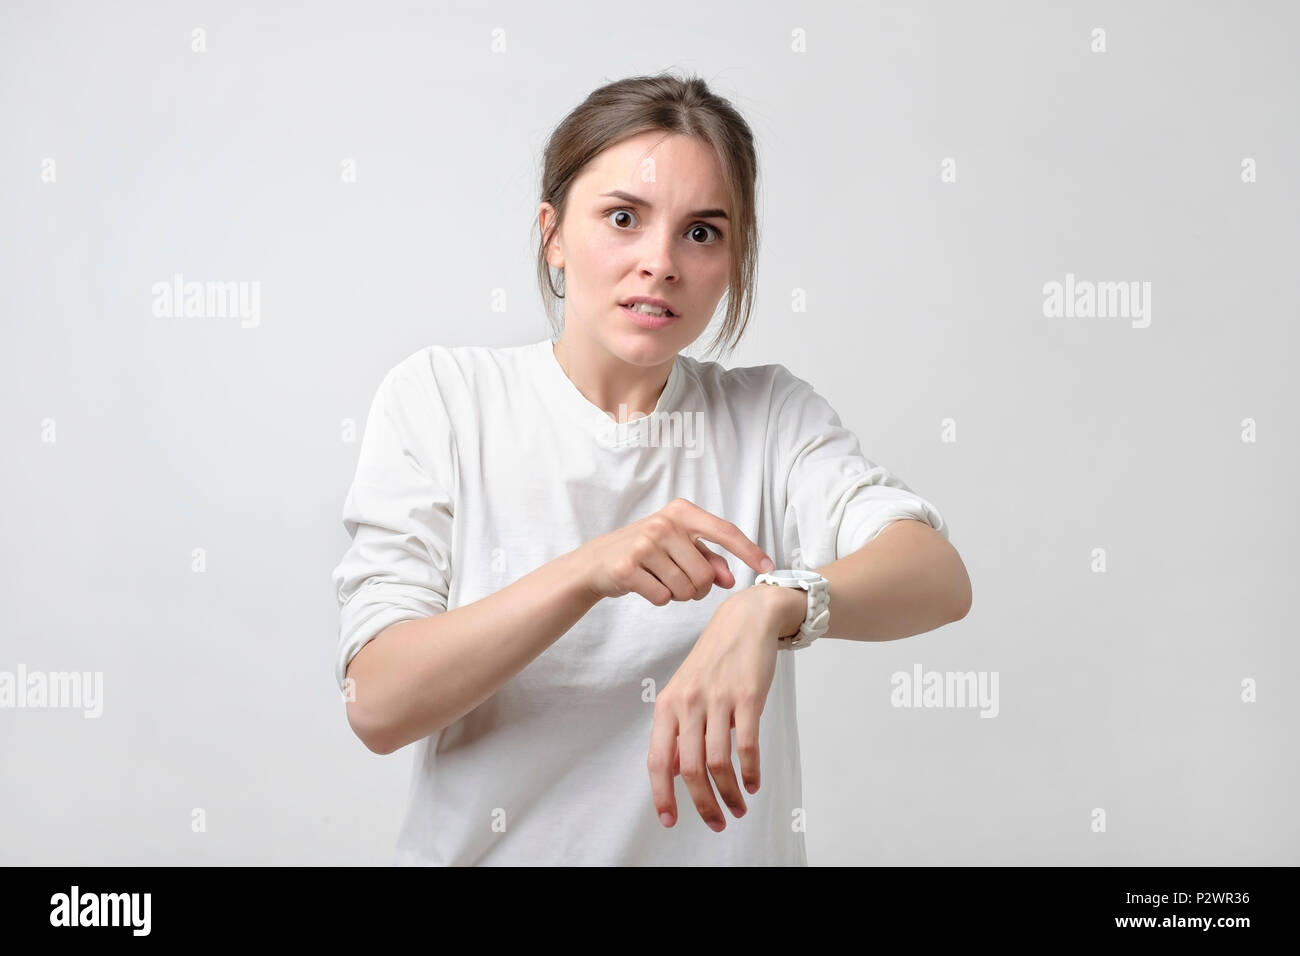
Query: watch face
point(794, 576)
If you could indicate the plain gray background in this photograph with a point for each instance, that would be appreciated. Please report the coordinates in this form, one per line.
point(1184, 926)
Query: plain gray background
point(1119, 690)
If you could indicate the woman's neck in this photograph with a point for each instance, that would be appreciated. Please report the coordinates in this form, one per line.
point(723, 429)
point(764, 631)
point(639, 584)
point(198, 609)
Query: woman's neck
point(610, 383)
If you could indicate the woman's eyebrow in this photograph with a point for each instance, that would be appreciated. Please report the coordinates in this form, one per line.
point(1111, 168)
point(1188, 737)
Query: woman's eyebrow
point(638, 201)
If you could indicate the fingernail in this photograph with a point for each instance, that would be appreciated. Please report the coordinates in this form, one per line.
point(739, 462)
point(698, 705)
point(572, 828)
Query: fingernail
point(752, 787)
point(717, 827)
point(768, 565)
point(666, 818)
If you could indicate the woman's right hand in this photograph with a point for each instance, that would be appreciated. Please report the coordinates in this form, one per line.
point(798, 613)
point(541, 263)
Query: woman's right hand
point(661, 558)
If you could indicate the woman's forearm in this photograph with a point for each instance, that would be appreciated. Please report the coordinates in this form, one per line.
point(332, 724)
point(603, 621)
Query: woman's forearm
point(906, 580)
point(416, 677)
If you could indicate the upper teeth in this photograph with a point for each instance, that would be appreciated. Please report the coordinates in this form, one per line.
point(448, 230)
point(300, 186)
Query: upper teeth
point(646, 308)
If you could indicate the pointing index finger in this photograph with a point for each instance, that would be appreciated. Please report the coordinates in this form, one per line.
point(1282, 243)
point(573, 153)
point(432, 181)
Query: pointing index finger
point(710, 527)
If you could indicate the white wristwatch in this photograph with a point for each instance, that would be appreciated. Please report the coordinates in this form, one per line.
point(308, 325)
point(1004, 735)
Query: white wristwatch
point(816, 621)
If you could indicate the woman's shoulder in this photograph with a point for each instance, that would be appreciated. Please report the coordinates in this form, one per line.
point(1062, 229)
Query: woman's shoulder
point(448, 382)
point(768, 384)
point(449, 364)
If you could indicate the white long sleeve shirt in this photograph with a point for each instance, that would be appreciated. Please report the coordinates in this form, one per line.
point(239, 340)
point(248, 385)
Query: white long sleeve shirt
point(477, 466)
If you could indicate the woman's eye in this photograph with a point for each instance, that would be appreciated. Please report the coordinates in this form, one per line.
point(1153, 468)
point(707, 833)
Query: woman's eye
point(705, 225)
point(616, 212)
point(693, 230)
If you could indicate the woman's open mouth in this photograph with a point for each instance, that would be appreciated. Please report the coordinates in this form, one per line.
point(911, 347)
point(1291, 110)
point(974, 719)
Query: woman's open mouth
point(649, 320)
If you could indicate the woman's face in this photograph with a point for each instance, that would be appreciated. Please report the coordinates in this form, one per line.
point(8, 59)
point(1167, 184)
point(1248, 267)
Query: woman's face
point(666, 236)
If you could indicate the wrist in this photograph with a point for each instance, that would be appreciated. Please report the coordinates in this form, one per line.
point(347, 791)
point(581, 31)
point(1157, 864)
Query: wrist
point(577, 572)
point(786, 608)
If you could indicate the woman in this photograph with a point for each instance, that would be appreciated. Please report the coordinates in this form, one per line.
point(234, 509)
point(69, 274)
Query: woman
point(531, 596)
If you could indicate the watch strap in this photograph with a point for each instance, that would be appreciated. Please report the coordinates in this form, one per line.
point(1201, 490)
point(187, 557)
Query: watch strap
point(817, 615)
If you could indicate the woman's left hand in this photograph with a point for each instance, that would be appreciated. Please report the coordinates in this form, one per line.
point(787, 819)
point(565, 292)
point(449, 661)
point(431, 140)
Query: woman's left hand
point(722, 683)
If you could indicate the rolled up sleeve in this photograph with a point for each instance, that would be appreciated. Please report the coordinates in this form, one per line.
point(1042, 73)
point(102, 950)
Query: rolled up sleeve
point(836, 499)
point(398, 513)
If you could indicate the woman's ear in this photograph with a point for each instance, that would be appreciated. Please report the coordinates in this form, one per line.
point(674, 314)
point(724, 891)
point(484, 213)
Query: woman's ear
point(554, 250)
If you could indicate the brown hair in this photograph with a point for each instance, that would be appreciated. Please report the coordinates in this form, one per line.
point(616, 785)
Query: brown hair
point(674, 105)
